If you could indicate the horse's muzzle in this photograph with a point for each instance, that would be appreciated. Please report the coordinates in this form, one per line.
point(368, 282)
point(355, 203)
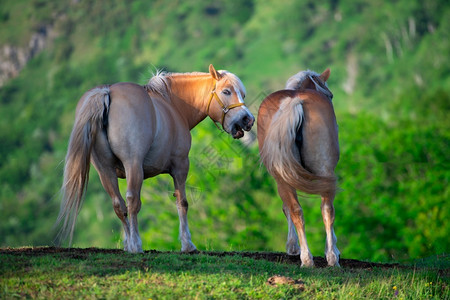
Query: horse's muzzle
point(245, 122)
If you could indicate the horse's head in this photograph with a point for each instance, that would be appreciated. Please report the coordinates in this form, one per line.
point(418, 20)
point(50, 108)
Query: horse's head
point(226, 104)
point(310, 80)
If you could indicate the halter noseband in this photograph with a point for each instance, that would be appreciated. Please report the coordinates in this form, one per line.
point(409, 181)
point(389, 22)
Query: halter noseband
point(225, 109)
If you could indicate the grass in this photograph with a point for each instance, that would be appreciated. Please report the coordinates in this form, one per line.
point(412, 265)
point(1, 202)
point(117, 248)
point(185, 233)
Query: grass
point(171, 275)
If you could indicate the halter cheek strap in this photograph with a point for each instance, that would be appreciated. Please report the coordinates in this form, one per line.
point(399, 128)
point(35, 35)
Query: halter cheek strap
point(225, 109)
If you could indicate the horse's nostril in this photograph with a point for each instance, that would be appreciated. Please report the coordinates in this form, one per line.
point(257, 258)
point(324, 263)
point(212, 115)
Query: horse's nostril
point(247, 122)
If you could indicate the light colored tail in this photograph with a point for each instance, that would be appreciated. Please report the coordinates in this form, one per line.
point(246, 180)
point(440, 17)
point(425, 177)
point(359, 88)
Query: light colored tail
point(281, 156)
point(89, 119)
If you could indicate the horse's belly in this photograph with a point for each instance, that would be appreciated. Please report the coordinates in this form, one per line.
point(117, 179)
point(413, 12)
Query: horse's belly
point(154, 165)
point(170, 145)
point(150, 170)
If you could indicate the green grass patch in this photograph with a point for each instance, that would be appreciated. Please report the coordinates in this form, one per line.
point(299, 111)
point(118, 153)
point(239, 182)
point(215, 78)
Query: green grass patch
point(171, 275)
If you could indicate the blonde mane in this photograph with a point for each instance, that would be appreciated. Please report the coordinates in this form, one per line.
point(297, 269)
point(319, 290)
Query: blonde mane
point(159, 83)
point(235, 81)
point(295, 82)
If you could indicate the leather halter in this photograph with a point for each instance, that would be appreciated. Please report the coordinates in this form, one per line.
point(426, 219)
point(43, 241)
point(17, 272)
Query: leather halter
point(225, 109)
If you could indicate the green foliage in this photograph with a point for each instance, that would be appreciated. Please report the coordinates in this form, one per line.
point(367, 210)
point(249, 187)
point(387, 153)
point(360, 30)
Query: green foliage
point(390, 78)
point(399, 192)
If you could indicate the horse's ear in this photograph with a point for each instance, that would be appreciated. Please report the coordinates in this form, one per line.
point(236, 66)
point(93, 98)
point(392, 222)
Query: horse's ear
point(320, 86)
point(216, 75)
point(325, 75)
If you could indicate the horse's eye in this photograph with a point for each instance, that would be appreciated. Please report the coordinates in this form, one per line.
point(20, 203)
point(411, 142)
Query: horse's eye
point(226, 92)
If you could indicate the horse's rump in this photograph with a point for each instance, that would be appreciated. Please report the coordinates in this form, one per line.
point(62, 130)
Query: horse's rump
point(280, 152)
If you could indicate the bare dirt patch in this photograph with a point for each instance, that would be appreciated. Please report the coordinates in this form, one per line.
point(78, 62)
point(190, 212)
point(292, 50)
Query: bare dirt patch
point(82, 253)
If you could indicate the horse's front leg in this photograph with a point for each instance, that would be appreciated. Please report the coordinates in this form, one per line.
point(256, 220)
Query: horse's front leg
point(331, 251)
point(179, 175)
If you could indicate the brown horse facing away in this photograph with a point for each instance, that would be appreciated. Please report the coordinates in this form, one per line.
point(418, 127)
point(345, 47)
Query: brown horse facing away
point(298, 144)
point(136, 132)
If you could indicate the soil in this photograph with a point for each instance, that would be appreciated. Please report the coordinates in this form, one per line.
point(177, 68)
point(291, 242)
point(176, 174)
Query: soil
point(319, 262)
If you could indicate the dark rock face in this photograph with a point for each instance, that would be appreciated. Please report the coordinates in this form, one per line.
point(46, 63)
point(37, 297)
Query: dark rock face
point(13, 59)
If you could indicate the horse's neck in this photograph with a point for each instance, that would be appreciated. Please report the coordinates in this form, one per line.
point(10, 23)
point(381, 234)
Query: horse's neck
point(190, 95)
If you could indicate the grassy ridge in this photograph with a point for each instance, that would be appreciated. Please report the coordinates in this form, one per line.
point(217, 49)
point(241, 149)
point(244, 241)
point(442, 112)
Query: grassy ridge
point(390, 78)
point(156, 275)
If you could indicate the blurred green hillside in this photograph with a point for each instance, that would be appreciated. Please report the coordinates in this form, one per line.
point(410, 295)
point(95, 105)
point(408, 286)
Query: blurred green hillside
point(390, 77)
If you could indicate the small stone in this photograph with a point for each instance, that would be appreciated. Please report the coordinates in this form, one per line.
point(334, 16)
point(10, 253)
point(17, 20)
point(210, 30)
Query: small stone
point(279, 280)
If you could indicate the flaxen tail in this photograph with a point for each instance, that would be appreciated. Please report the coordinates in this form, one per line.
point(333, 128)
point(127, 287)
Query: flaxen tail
point(281, 156)
point(89, 119)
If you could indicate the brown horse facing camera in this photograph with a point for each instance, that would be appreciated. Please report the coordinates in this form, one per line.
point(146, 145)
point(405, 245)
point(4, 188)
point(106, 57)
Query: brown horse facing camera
point(298, 144)
point(136, 132)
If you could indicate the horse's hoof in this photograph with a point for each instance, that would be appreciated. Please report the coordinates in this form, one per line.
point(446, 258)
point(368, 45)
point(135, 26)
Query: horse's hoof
point(307, 261)
point(333, 259)
point(189, 248)
point(293, 250)
point(309, 264)
point(337, 265)
point(134, 250)
point(333, 263)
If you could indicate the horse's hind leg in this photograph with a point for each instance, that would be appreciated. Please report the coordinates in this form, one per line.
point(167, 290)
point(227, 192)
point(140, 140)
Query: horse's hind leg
point(292, 247)
point(289, 197)
point(103, 161)
point(135, 176)
point(179, 178)
point(331, 251)
point(109, 182)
